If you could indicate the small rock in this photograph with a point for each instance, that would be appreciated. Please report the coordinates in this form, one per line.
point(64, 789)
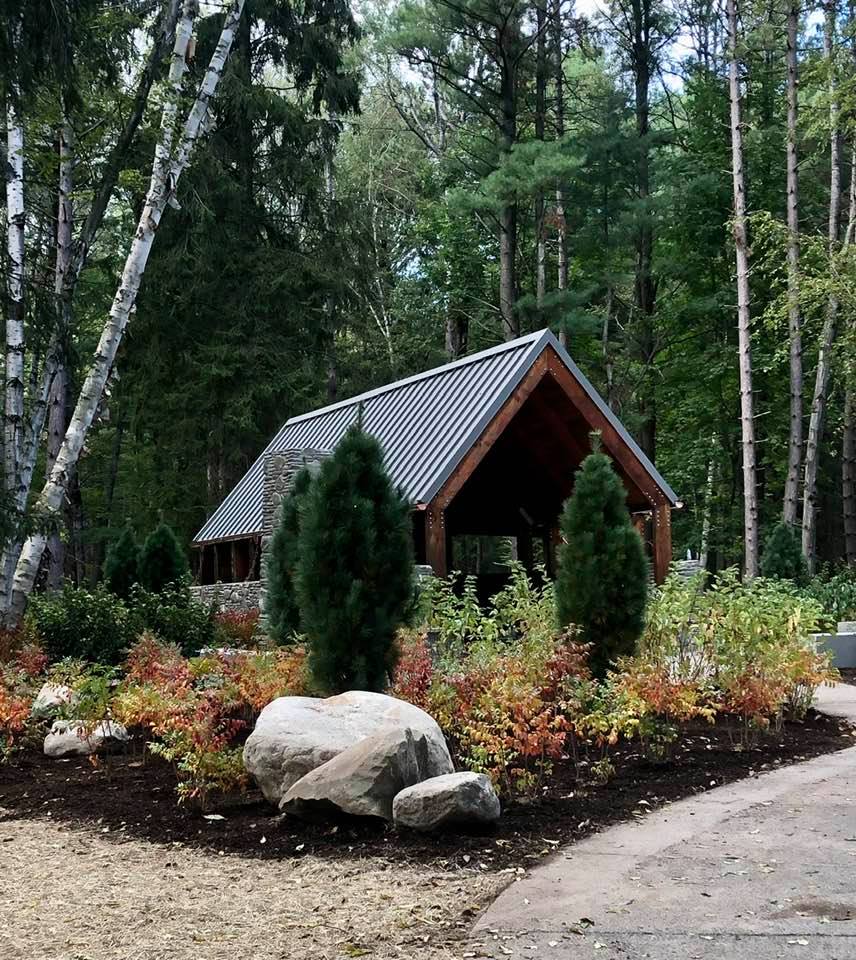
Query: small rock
point(50, 697)
point(452, 800)
point(69, 738)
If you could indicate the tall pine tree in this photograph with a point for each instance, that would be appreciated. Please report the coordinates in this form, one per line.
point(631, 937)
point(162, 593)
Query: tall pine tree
point(162, 561)
point(602, 582)
point(355, 569)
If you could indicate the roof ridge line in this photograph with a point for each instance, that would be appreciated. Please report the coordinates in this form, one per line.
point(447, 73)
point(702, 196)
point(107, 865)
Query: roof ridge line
point(517, 343)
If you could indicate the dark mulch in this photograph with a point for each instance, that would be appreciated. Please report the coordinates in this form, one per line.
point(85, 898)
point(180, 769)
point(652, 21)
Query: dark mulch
point(125, 799)
point(848, 675)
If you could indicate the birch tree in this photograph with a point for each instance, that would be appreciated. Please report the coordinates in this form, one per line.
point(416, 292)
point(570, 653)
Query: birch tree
point(744, 332)
point(827, 337)
point(795, 432)
point(172, 155)
point(47, 379)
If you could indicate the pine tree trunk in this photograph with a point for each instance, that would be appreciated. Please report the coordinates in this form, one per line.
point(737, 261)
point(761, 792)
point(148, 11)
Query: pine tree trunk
point(645, 287)
point(561, 223)
point(827, 337)
point(166, 171)
point(741, 246)
point(540, 118)
point(795, 437)
point(508, 212)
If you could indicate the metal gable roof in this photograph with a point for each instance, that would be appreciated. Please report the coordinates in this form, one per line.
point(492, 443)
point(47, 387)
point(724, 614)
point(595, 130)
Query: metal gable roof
point(425, 424)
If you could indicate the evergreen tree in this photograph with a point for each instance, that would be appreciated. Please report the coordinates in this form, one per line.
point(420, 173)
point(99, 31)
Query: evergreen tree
point(355, 569)
point(783, 558)
point(122, 564)
point(281, 609)
point(162, 561)
point(602, 581)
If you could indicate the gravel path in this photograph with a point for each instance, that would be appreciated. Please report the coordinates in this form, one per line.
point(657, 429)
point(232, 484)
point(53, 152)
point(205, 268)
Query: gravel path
point(75, 895)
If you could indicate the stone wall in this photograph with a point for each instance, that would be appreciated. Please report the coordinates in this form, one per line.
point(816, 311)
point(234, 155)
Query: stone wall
point(238, 597)
point(280, 469)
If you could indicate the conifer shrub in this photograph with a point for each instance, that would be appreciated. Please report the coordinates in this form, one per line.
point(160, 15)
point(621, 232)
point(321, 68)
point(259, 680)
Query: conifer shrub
point(281, 607)
point(783, 558)
point(354, 574)
point(602, 581)
point(162, 561)
point(121, 566)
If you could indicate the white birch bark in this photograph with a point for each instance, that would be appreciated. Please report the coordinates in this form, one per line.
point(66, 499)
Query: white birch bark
point(795, 433)
point(827, 337)
point(747, 420)
point(13, 387)
point(167, 167)
point(848, 444)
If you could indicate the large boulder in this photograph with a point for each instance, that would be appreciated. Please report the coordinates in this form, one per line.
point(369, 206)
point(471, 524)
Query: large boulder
point(452, 801)
point(362, 780)
point(294, 735)
point(69, 738)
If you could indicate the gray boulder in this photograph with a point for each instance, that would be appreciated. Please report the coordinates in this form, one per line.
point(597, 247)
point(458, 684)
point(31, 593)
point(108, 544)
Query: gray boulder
point(362, 780)
point(454, 800)
point(294, 735)
point(74, 739)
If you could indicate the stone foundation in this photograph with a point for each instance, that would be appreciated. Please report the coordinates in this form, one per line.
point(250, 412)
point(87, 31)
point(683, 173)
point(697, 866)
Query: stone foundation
point(230, 597)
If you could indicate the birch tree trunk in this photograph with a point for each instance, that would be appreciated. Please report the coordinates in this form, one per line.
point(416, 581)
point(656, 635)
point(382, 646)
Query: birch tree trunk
point(741, 246)
point(167, 168)
point(848, 445)
point(827, 337)
point(795, 436)
point(848, 477)
point(13, 387)
point(57, 403)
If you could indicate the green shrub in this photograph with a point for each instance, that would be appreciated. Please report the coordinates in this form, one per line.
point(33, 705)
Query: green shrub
point(602, 581)
point(836, 594)
point(174, 616)
point(85, 624)
point(162, 561)
point(281, 608)
point(121, 566)
point(354, 574)
point(783, 558)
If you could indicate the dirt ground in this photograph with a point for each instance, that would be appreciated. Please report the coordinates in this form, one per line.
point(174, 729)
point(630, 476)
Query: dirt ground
point(70, 894)
point(100, 863)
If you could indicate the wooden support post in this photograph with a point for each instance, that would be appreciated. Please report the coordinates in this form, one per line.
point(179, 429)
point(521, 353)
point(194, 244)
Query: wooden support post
point(524, 548)
point(436, 549)
point(662, 541)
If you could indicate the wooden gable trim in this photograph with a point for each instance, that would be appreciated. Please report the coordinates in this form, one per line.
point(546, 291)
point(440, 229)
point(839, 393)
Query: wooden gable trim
point(549, 363)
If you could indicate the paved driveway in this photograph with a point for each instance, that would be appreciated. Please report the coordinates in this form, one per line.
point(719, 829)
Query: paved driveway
point(762, 869)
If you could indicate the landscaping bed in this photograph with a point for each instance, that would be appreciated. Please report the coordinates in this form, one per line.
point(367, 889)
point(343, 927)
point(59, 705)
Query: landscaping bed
point(124, 799)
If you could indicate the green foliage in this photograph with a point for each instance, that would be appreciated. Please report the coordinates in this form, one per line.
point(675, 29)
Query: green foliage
point(97, 626)
point(355, 570)
point(783, 558)
point(85, 624)
point(162, 561)
point(745, 648)
point(602, 580)
point(174, 616)
point(836, 594)
point(121, 567)
point(281, 608)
